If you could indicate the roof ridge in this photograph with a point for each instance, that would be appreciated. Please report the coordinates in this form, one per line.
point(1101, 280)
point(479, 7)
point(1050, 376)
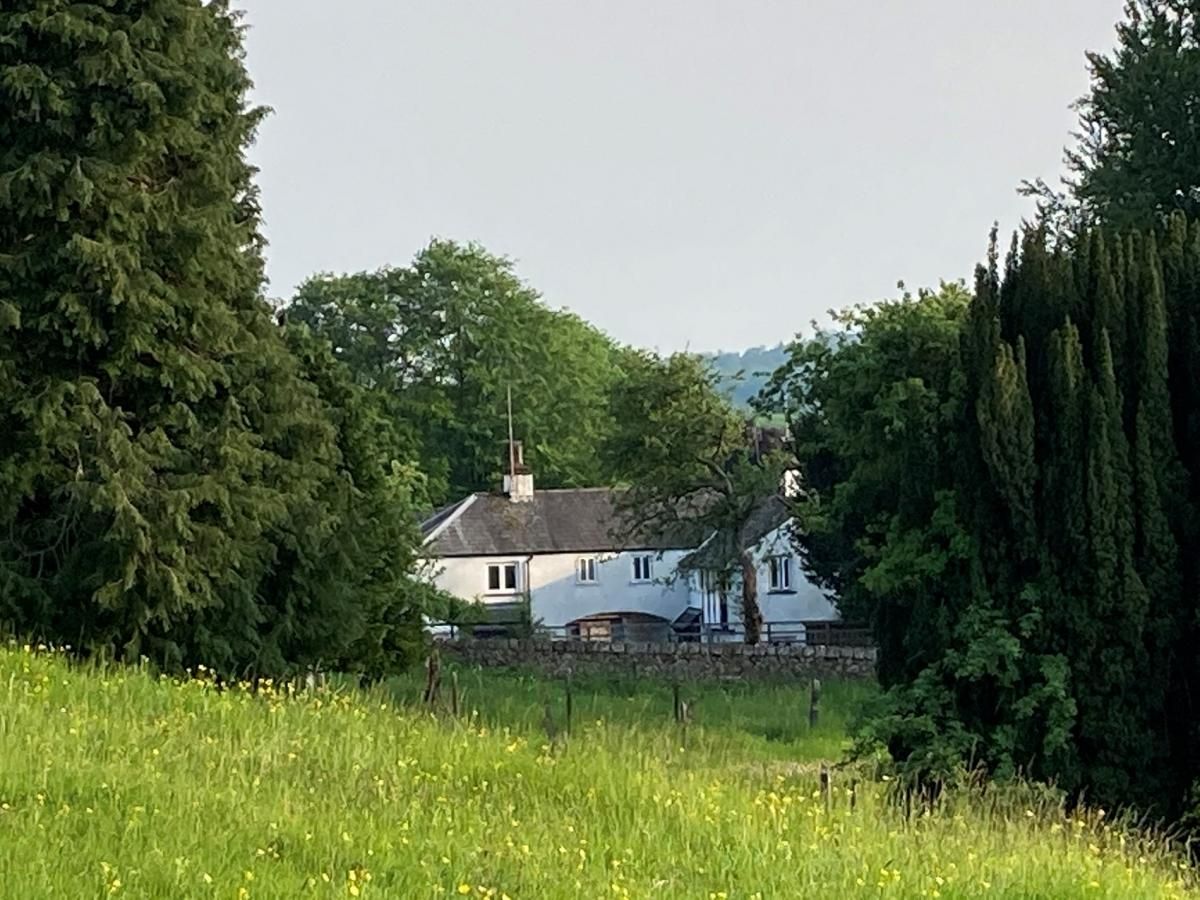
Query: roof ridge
point(570, 490)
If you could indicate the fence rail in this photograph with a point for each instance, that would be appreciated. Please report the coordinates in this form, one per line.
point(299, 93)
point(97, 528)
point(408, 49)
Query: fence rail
point(818, 633)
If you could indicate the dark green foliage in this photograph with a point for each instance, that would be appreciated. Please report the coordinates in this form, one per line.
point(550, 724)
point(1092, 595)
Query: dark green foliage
point(353, 598)
point(1136, 157)
point(1035, 614)
point(869, 409)
point(445, 339)
point(172, 481)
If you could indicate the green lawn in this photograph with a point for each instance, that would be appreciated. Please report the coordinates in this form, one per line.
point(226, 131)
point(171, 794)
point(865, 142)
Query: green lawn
point(114, 783)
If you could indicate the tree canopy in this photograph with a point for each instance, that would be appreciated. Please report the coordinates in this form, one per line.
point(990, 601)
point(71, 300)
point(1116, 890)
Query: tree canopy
point(1136, 156)
point(1005, 489)
point(870, 405)
point(445, 339)
point(173, 480)
point(691, 463)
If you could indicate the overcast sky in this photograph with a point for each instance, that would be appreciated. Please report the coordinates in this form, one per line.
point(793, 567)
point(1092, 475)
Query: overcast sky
point(683, 173)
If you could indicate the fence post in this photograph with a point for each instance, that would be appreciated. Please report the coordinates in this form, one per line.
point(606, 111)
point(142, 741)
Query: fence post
point(826, 788)
point(432, 677)
point(814, 703)
point(675, 698)
point(570, 705)
point(454, 694)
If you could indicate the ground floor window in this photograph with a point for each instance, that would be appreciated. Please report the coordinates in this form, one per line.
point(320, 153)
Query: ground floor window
point(714, 589)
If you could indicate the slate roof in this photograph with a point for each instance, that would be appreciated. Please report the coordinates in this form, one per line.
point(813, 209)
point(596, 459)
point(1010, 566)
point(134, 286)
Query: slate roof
point(718, 552)
point(582, 520)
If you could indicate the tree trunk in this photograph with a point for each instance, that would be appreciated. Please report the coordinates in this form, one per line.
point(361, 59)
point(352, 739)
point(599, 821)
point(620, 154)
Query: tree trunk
point(751, 614)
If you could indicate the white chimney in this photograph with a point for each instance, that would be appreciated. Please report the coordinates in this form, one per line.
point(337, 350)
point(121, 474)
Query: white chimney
point(518, 481)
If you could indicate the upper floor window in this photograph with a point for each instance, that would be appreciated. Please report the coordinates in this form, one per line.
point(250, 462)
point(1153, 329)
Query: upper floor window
point(585, 570)
point(781, 573)
point(643, 567)
point(502, 578)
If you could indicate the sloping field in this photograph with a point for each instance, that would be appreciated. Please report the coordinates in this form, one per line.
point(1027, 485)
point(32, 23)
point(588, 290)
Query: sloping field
point(117, 783)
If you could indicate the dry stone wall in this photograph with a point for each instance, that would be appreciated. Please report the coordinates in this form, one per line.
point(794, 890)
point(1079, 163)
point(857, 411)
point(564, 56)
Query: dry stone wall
point(684, 661)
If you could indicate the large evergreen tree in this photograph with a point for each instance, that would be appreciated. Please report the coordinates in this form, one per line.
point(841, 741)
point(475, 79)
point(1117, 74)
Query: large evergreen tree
point(164, 460)
point(1136, 157)
point(1036, 615)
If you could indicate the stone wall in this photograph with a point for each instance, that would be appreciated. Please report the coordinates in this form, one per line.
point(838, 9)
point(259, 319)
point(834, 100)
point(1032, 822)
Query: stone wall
point(685, 661)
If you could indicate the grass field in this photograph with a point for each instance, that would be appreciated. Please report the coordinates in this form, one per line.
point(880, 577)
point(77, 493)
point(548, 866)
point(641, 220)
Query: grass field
point(729, 720)
point(117, 783)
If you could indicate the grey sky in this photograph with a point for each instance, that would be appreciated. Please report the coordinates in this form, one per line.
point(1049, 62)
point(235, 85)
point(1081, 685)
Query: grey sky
point(680, 172)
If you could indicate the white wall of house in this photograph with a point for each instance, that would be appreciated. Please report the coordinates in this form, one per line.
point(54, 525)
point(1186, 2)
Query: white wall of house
point(558, 595)
point(801, 601)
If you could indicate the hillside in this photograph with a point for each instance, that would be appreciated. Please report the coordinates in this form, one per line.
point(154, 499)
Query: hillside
point(114, 783)
point(744, 373)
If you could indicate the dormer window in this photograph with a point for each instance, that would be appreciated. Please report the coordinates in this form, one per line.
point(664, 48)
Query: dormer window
point(585, 570)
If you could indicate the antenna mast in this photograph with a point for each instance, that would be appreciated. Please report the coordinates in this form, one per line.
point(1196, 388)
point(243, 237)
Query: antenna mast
point(512, 447)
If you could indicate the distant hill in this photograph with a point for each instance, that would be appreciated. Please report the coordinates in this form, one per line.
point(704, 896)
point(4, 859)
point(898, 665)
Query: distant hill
point(744, 374)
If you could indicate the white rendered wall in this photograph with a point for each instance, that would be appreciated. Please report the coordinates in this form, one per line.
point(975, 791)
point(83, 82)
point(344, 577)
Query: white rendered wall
point(556, 595)
point(805, 602)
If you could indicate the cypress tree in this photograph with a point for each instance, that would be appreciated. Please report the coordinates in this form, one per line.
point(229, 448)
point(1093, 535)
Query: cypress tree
point(1005, 414)
point(1063, 470)
point(1152, 371)
point(1106, 305)
point(158, 446)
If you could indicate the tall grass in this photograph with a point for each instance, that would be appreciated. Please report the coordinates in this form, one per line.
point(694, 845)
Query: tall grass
point(117, 783)
point(760, 721)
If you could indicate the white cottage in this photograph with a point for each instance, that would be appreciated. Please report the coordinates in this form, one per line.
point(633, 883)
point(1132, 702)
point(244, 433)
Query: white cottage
point(566, 554)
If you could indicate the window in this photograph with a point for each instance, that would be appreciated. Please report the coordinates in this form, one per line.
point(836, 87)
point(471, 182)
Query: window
point(643, 567)
point(714, 586)
point(585, 571)
point(502, 578)
point(781, 573)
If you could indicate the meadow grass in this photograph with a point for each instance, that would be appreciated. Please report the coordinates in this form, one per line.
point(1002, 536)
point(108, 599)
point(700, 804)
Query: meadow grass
point(114, 782)
point(762, 721)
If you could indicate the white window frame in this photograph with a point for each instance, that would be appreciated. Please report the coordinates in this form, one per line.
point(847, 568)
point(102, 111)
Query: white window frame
point(586, 570)
point(645, 562)
point(779, 575)
point(714, 588)
point(501, 568)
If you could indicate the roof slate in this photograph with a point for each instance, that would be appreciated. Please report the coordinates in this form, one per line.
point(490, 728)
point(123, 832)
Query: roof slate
point(719, 554)
point(582, 520)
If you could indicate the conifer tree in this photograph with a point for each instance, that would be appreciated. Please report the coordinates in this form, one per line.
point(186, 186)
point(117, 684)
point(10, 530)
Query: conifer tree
point(1062, 645)
point(1134, 158)
point(162, 456)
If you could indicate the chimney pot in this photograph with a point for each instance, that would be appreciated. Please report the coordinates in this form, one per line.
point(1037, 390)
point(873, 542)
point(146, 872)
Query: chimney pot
point(518, 480)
